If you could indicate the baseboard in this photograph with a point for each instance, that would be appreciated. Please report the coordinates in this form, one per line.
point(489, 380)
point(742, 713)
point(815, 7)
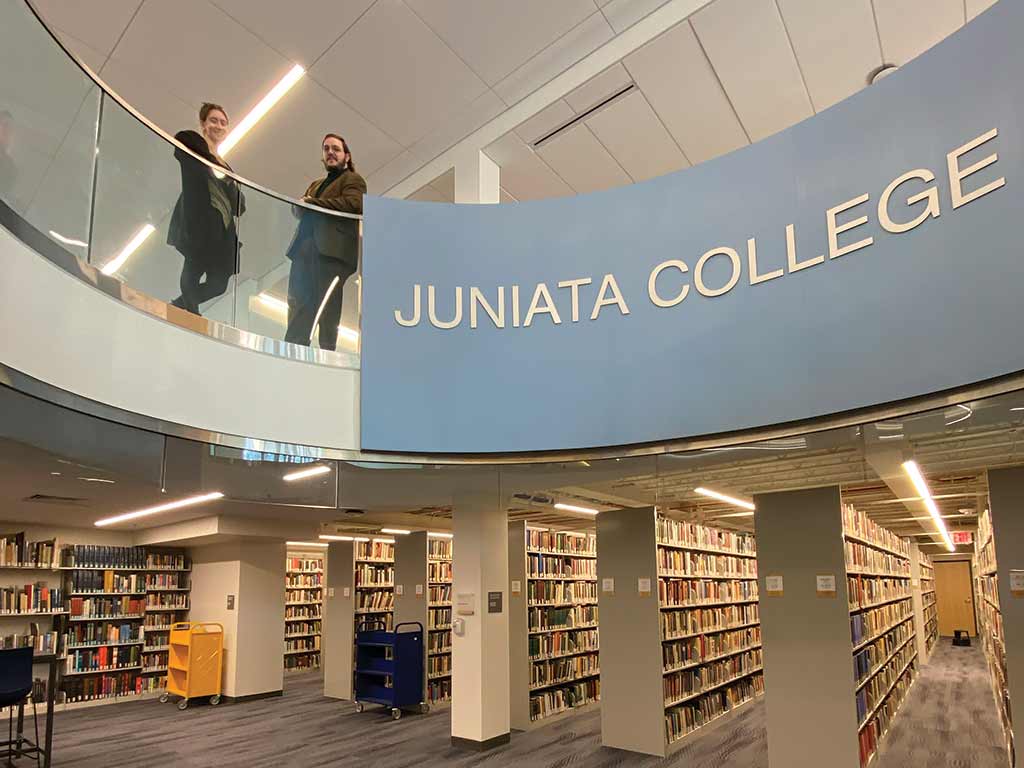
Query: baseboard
point(252, 697)
point(481, 746)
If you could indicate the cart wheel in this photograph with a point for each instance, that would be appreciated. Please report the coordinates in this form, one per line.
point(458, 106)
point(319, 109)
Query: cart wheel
point(183, 704)
point(215, 700)
point(424, 708)
point(164, 697)
point(359, 706)
point(395, 714)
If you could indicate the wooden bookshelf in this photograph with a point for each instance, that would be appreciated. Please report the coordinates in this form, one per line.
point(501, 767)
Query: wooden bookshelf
point(930, 614)
point(303, 600)
point(991, 629)
point(553, 634)
point(374, 582)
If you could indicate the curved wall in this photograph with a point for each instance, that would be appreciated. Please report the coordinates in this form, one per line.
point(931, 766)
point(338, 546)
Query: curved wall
point(868, 255)
point(68, 334)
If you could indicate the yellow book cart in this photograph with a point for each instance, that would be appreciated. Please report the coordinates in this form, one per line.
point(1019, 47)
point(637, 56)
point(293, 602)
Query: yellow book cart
point(195, 662)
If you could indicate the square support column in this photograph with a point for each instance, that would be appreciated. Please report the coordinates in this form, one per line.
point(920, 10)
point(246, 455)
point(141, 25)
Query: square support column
point(477, 179)
point(337, 630)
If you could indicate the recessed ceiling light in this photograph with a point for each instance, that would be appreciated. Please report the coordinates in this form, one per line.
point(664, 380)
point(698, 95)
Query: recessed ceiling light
point(132, 246)
point(399, 531)
point(171, 505)
point(727, 499)
point(302, 474)
point(914, 472)
point(265, 104)
point(575, 508)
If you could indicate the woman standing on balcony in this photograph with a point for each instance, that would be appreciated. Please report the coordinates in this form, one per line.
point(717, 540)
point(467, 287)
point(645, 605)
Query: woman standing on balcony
point(202, 225)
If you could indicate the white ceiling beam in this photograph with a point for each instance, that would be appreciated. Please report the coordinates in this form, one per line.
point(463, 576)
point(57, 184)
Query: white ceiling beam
point(616, 49)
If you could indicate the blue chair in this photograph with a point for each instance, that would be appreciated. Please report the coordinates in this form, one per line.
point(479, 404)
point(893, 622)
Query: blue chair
point(15, 687)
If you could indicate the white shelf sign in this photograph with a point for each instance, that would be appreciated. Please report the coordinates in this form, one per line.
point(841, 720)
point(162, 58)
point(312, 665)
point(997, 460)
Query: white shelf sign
point(773, 586)
point(1017, 583)
point(825, 584)
point(464, 603)
point(608, 586)
point(517, 587)
point(399, 589)
point(419, 590)
point(643, 587)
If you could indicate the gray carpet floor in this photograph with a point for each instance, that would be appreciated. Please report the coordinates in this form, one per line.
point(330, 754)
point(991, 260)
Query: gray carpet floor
point(949, 721)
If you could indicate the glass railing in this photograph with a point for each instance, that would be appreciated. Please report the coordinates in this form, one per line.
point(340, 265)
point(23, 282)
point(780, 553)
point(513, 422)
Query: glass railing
point(103, 193)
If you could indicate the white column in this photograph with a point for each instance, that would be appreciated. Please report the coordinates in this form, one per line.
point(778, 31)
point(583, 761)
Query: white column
point(480, 665)
point(337, 628)
point(477, 179)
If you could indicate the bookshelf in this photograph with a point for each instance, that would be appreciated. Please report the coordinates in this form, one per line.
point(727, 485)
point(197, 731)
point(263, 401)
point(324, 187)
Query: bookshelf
point(929, 611)
point(882, 625)
point(304, 583)
point(553, 636)
point(680, 628)
point(993, 638)
point(374, 582)
point(423, 586)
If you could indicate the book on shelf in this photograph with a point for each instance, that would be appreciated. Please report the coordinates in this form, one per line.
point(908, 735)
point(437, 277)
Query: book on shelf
point(104, 658)
point(42, 643)
point(15, 551)
point(95, 633)
point(304, 564)
point(106, 607)
point(38, 597)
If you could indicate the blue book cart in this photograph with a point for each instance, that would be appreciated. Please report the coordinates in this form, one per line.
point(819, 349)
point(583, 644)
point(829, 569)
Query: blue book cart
point(389, 666)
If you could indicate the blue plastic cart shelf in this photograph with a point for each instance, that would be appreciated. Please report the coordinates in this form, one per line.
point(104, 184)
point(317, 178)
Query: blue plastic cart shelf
point(389, 666)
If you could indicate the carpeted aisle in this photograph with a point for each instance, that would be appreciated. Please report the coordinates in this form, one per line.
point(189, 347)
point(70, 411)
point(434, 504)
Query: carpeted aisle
point(948, 722)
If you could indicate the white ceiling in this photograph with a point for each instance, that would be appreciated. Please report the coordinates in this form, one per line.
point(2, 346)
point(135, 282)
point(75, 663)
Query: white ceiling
point(404, 80)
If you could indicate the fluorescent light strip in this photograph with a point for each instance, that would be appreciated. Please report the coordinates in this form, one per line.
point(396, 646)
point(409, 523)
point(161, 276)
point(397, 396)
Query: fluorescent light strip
point(727, 499)
point(735, 514)
point(67, 240)
point(574, 508)
point(439, 535)
point(328, 537)
point(272, 301)
point(384, 541)
point(305, 544)
point(399, 531)
point(171, 505)
point(97, 480)
point(265, 105)
point(133, 245)
point(914, 472)
point(302, 474)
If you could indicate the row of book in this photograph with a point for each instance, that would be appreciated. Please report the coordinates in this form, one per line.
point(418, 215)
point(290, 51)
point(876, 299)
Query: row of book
point(302, 661)
point(684, 534)
point(560, 643)
point(552, 565)
point(439, 549)
point(702, 648)
point(303, 580)
point(674, 592)
point(439, 618)
point(304, 564)
point(300, 595)
point(177, 600)
point(860, 557)
point(107, 607)
point(856, 523)
point(302, 611)
point(303, 627)
point(873, 622)
point(880, 684)
point(32, 598)
point(378, 600)
point(540, 618)
point(566, 669)
point(16, 551)
point(868, 590)
point(695, 620)
point(375, 550)
point(561, 591)
point(866, 660)
point(873, 731)
point(103, 686)
point(174, 580)
point(152, 660)
point(683, 719)
point(45, 643)
point(683, 563)
point(561, 542)
point(439, 641)
point(439, 665)
point(441, 593)
point(555, 700)
point(441, 571)
point(154, 622)
point(439, 690)
point(107, 657)
point(98, 556)
point(107, 581)
point(96, 632)
point(690, 682)
point(374, 575)
point(303, 644)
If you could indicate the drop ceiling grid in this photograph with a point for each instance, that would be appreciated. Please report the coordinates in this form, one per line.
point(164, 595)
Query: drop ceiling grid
point(910, 27)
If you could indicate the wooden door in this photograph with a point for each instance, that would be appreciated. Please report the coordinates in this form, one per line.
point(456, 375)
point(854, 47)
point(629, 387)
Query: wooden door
point(954, 597)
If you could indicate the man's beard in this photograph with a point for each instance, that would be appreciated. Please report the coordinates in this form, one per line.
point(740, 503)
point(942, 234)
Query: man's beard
point(339, 166)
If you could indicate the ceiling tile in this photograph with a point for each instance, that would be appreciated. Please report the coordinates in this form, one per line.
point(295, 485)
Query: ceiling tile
point(392, 172)
point(523, 173)
point(167, 110)
point(675, 76)
point(622, 14)
point(555, 59)
point(546, 120)
point(427, 194)
point(974, 7)
point(495, 36)
point(97, 23)
point(445, 185)
point(599, 88)
point(910, 27)
point(749, 49)
point(300, 31)
point(578, 157)
point(836, 46)
point(457, 125)
point(93, 59)
point(407, 78)
point(287, 151)
point(636, 138)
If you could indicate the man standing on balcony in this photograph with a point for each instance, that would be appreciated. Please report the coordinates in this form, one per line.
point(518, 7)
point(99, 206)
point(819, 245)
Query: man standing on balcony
point(325, 249)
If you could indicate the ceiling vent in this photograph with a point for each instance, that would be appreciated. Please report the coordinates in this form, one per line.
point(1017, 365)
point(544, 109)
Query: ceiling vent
point(576, 119)
point(67, 501)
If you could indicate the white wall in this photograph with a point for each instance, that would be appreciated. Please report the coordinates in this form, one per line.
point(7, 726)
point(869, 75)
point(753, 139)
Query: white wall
point(215, 575)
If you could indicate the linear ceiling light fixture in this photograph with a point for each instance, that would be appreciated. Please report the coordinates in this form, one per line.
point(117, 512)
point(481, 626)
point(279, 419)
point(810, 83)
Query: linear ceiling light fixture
point(384, 540)
point(265, 105)
point(575, 508)
point(914, 472)
point(302, 474)
point(191, 501)
point(727, 499)
point(439, 535)
point(133, 245)
point(305, 544)
point(274, 302)
point(399, 531)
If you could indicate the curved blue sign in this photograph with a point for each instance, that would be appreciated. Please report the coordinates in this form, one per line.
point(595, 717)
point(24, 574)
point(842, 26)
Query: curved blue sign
point(869, 254)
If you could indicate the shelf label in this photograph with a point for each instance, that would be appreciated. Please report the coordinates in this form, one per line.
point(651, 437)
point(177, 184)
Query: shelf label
point(399, 589)
point(773, 586)
point(1017, 583)
point(346, 592)
point(826, 584)
point(330, 591)
point(643, 587)
point(419, 590)
point(464, 603)
point(608, 586)
point(517, 587)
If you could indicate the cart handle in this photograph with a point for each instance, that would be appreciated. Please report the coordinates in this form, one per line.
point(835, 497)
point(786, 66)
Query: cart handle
point(408, 624)
point(197, 626)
